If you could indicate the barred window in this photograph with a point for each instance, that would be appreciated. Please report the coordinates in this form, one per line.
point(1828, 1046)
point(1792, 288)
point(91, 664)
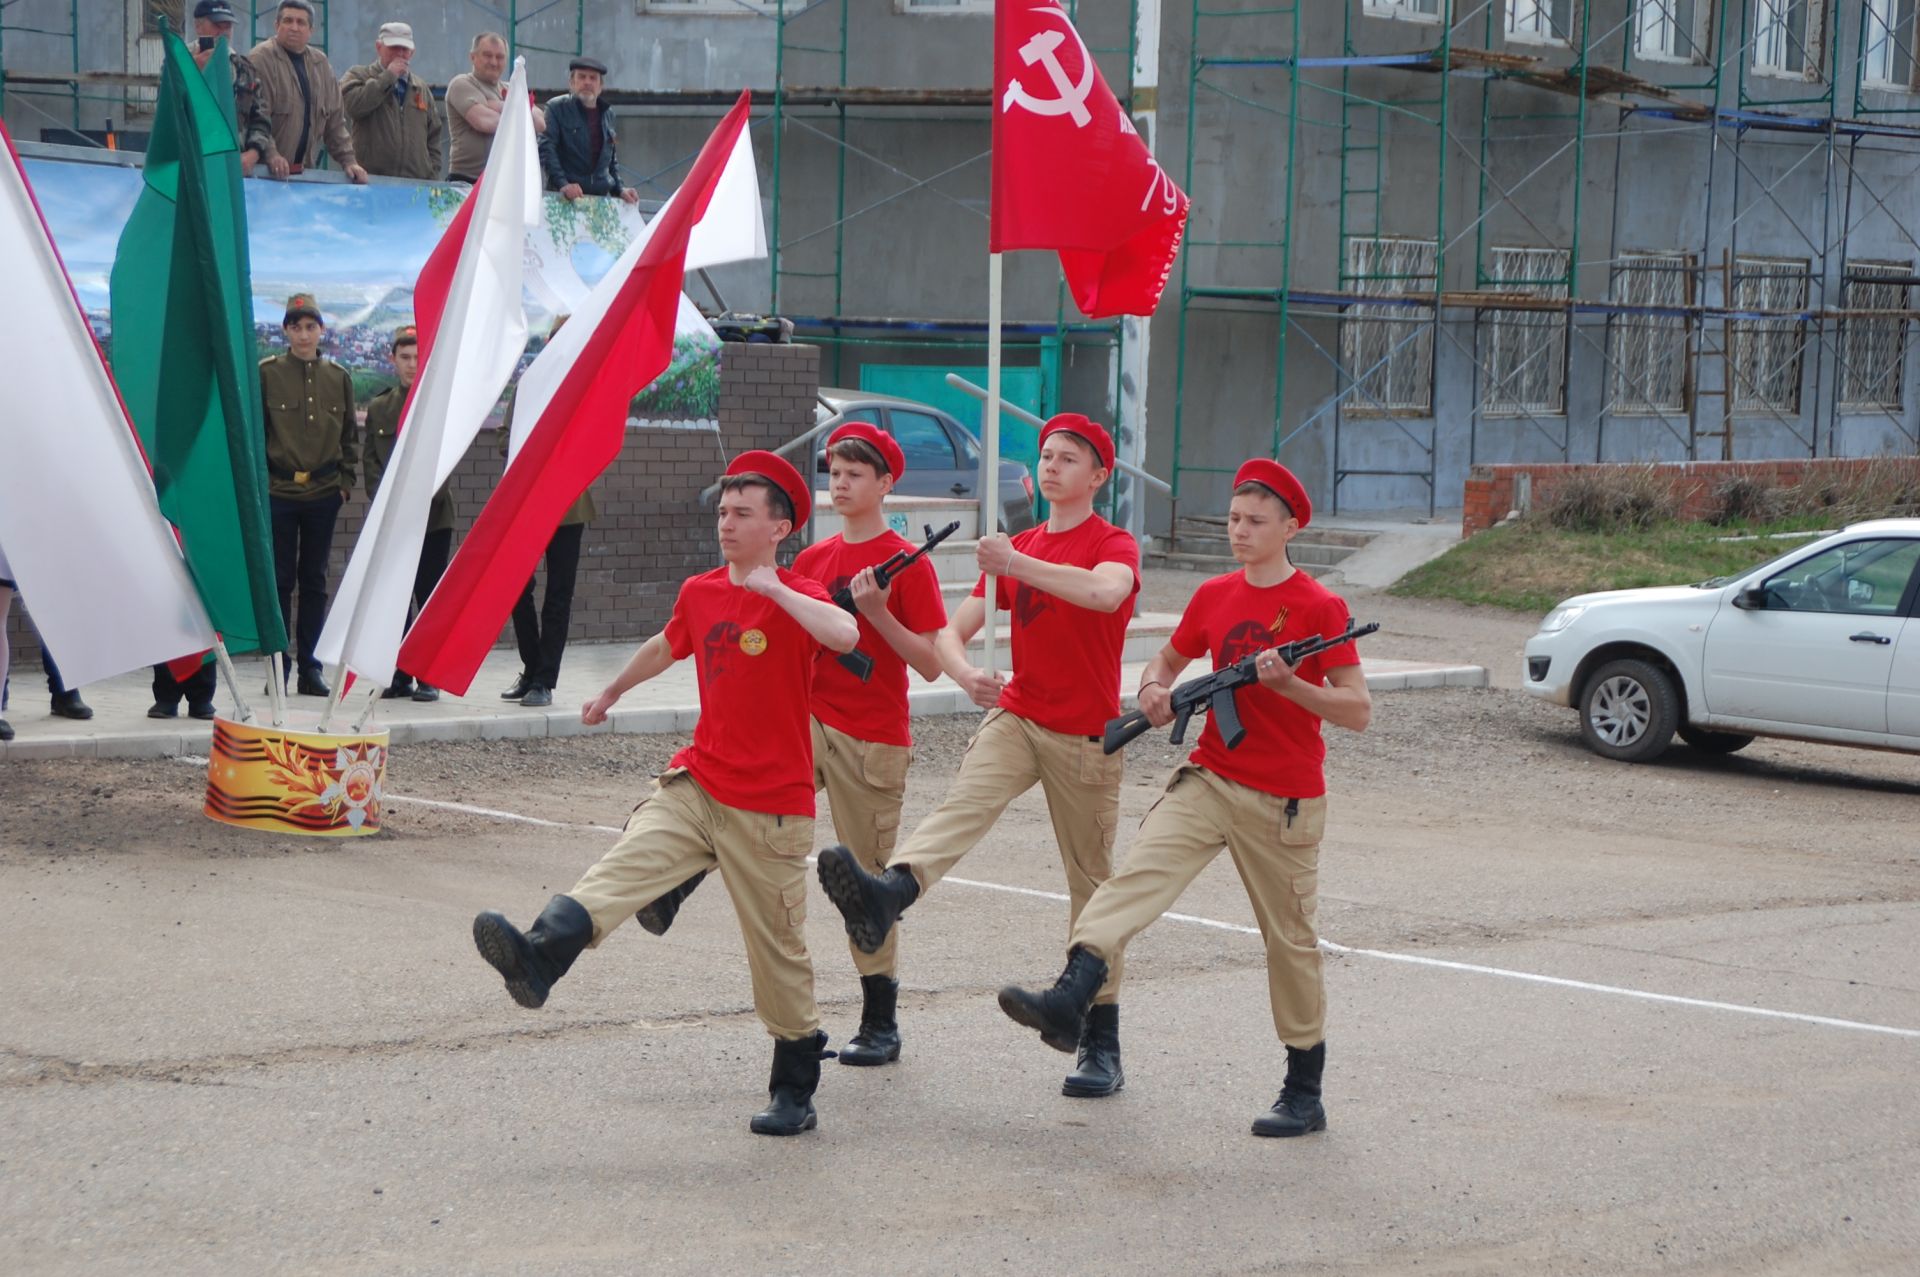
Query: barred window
point(1540, 21)
point(1767, 353)
point(1399, 339)
point(1874, 348)
point(1526, 350)
point(1649, 350)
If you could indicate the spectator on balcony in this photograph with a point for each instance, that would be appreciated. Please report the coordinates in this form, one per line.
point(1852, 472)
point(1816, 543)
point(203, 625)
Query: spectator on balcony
point(475, 101)
point(391, 112)
point(303, 97)
point(212, 20)
point(577, 149)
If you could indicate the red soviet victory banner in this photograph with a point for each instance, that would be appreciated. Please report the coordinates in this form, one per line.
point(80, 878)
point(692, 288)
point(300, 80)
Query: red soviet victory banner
point(1069, 171)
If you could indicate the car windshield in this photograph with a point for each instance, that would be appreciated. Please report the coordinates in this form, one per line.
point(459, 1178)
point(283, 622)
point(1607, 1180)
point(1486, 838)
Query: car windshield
point(1715, 583)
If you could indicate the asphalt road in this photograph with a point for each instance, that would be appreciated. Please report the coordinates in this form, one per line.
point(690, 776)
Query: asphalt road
point(222, 1052)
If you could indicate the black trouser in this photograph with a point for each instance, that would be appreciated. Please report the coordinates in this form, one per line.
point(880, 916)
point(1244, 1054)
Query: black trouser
point(55, 684)
point(302, 548)
point(435, 550)
point(543, 637)
point(197, 687)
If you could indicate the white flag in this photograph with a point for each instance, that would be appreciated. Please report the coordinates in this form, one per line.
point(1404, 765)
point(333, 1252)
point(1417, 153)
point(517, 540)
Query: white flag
point(95, 561)
point(731, 230)
point(480, 338)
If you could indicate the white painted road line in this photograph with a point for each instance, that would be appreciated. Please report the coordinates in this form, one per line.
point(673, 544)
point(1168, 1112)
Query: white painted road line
point(1192, 920)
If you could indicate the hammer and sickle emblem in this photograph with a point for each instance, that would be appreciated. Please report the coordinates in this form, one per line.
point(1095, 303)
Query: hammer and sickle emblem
point(1044, 49)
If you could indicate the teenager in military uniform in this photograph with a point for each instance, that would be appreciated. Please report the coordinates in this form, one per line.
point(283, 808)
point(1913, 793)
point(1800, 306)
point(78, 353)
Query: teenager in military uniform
point(1069, 587)
point(862, 732)
point(383, 429)
point(1265, 801)
point(739, 798)
point(310, 470)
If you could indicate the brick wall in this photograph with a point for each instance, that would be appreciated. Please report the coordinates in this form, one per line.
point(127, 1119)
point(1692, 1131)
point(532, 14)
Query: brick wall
point(652, 532)
point(1491, 490)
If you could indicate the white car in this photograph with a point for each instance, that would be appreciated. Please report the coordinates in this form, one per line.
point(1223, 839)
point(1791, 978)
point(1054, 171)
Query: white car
point(1821, 643)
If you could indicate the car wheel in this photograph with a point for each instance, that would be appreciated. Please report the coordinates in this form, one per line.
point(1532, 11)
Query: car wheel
point(1706, 742)
point(1628, 711)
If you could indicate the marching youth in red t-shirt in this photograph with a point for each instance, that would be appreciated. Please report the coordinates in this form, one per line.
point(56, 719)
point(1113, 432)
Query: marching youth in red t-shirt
point(875, 710)
point(1228, 619)
point(753, 747)
point(1066, 658)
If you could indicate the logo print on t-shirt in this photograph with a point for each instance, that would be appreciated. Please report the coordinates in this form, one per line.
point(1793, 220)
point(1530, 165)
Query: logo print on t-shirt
point(1245, 639)
point(1028, 604)
point(753, 642)
point(721, 640)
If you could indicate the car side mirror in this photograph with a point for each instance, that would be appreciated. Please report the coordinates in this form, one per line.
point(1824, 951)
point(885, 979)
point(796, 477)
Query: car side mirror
point(1751, 599)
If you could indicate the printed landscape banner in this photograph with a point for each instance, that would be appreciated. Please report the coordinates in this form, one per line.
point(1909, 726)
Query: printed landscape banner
point(358, 249)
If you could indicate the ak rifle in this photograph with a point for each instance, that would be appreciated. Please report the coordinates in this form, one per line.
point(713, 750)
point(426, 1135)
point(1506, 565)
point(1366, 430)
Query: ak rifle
point(1214, 693)
point(884, 575)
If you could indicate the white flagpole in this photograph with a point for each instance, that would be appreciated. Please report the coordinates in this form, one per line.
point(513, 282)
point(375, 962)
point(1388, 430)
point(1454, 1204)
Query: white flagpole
point(276, 689)
point(990, 436)
point(242, 712)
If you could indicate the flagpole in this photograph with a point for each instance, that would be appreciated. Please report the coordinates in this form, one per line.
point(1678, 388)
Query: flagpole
point(373, 699)
point(334, 694)
point(243, 713)
point(990, 432)
point(276, 689)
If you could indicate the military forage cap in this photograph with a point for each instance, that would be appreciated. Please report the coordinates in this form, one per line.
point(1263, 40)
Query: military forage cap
point(303, 306)
point(406, 335)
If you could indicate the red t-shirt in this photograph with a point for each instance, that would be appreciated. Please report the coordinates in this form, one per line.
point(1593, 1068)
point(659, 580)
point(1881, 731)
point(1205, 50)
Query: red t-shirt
point(1228, 619)
point(753, 747)
point(875, 710)
point(1066, 659)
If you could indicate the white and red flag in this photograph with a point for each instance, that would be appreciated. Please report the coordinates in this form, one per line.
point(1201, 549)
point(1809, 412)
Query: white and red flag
point(472, 331)
point(1070, 173)
point(613, 347)
point(97, 563)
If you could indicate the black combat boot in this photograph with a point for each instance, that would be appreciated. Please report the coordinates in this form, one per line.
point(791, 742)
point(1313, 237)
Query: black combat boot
point(870, 904)
point(532, 963)
point(1060, 1012)
point(878, 1041)
point(658, 915)
point(1297, 1111)
point(1098, 1073)
point(796, 1075)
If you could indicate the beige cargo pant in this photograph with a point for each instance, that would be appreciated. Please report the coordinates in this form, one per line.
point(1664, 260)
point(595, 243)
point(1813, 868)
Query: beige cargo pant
point(866, 781)
point(1005, 759)
point(1279, 862)
point(679, 830)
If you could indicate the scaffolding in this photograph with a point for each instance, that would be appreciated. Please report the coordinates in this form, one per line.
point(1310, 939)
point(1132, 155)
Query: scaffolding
point(1744, 322)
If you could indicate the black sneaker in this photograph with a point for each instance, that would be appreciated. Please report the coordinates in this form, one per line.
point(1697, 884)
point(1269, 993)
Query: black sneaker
point(6, 730)
point(423, 692)
point(69, 705)
point(518, 688)
point(537, 697)
point(159, 710)
point(204, 712)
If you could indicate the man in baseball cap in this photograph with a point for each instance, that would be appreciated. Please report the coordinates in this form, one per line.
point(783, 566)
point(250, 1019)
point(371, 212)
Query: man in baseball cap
point(739, 798)
point(394, 120)
point(1264, 801)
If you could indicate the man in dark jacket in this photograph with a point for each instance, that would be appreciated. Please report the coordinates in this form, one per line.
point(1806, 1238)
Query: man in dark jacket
point(577, 150)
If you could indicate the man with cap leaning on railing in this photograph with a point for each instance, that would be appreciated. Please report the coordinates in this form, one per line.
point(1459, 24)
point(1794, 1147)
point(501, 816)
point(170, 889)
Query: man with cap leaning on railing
point(391, 113)
point(739, 798)
point(213, 19)
point(577, 150)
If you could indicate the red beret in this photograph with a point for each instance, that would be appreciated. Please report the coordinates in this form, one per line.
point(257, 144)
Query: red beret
point(881, 442)
point(1279, 480)
point(781, 472)
point(1092, 431)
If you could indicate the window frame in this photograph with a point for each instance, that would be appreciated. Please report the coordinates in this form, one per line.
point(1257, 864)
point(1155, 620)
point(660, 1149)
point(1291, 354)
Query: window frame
point(1403, 11)
point(1852, 373)
point(1907, 28)
point(1627, 398)
point(1527, 327)
point(1541, 9)
point(1698, 37)
point(1749, 341)
point(1812, 39)
point(1357, 321)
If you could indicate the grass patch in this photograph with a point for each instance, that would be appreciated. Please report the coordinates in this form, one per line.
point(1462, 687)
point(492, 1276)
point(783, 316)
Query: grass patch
point(1530, 565)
